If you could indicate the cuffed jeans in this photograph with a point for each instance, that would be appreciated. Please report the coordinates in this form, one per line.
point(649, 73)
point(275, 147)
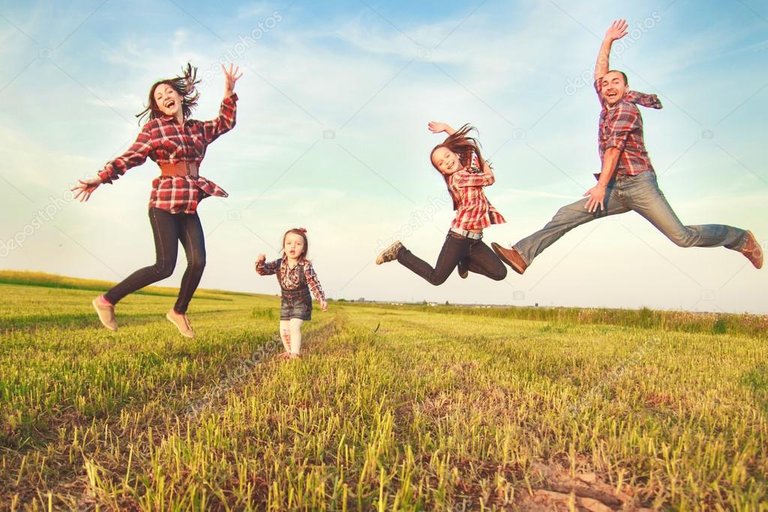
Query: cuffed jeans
point(639, 193)
point(169, 229)
point(482, 260)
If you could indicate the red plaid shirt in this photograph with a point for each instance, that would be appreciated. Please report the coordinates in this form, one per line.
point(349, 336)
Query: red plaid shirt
point(473, 211)
point(290, 278)
point(621, 127)
point(164, 140)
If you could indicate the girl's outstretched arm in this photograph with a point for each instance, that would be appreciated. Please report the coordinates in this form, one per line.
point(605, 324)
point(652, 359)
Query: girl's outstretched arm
point(488, 172)
point(474, 179)
point(314, 285)
point(437, 127)
point(266, 269)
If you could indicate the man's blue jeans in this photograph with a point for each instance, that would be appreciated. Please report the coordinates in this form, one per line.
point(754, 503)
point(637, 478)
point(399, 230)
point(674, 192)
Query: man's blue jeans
point(641, 194)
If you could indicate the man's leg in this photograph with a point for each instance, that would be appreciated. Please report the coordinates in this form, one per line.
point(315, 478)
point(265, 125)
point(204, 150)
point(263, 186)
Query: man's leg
point(567, 218)
point(645, 197)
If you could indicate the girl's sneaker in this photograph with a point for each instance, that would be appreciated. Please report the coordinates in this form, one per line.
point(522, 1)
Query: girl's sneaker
point(390, 253)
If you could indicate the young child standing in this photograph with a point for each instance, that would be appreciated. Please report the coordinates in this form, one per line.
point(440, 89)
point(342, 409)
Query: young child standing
point(296, 277)
point(459, 161)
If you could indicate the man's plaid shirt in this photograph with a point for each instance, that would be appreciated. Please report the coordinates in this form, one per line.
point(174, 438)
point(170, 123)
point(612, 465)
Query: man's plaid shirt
point(621, 127)
point(164, 140)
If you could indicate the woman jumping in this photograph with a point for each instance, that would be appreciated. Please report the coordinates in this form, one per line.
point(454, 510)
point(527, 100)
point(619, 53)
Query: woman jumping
point(177, 144)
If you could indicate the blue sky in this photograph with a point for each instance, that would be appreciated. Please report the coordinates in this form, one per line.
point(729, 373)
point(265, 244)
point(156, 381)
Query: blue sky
point(332, 136)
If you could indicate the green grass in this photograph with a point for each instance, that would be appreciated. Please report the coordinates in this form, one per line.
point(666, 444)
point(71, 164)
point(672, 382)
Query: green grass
point(391, 408)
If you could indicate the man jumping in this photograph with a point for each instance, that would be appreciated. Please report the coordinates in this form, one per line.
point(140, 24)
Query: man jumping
point(627, 180)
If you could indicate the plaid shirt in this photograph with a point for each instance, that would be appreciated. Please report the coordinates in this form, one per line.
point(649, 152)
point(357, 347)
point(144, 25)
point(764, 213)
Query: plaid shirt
point(621, 127)
point(164, 140)
point(290, 279)
point(473, 211)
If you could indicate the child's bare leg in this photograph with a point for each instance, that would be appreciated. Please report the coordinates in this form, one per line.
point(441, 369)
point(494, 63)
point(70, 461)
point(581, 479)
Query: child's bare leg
point(295, 335)
point(285, 335)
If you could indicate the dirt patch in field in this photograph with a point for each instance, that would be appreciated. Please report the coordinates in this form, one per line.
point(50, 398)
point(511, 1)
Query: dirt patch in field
point(560, 490)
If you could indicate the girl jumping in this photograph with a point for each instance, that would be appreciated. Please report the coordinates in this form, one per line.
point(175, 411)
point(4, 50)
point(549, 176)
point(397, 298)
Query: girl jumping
point(461, 164)
point(177, 144)
point(296, 277)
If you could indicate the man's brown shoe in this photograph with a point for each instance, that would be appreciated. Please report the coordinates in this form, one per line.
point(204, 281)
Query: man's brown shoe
point(511, 257)
point(106, 312)
point(181, 322)
point(753, 251)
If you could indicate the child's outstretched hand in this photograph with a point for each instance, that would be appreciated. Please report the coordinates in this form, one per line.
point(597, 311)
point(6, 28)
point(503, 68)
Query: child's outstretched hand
point(437, 127)
point(324, 305)
point(260, 259)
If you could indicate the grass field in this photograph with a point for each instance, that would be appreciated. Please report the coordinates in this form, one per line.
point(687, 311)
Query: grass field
point(391, 408)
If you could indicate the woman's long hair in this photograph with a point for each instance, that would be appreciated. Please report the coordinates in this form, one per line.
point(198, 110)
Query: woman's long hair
point(184, 84)
point(464, 146)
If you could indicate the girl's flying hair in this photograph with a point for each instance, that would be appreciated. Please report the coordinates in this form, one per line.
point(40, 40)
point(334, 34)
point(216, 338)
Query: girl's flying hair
point(465, 147)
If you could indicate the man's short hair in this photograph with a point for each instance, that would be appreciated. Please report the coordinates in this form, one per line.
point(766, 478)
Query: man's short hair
point(626, 82)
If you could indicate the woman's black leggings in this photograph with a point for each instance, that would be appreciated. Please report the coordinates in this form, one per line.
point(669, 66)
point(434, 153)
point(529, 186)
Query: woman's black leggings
point(482, 260)
point(169, 229)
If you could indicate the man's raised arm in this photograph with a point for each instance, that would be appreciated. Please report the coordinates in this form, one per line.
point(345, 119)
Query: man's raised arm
point(617, 30)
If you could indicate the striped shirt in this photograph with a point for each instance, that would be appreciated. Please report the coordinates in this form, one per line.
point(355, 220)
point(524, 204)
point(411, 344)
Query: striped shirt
point(164, 140)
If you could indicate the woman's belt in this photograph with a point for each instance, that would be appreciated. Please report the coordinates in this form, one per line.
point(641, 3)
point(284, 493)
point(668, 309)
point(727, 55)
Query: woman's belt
point(179, 169)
